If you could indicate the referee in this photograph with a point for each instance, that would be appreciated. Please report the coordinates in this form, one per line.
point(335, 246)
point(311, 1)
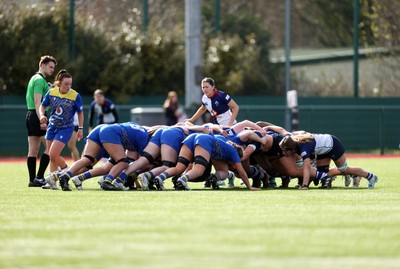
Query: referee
point(36, 89)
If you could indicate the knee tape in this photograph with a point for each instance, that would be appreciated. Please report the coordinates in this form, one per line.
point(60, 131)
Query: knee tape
point(91, 159)
point(148, 156)
point(125, 160)
point(343, 167)
point(200, 160)
point(184, 161)
point(112, 161)
point(168, 164)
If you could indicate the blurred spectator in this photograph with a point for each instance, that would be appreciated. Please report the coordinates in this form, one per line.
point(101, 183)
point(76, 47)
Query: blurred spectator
point(104, 108)
point(173, 112)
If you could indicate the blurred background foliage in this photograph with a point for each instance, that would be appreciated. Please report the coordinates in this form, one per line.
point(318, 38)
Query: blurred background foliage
point(112, 52)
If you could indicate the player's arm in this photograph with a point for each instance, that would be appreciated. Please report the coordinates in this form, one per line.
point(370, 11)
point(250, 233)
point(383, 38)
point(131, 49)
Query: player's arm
point(198, 128)
point(247, 135)
point(42, 111)
point(243, 175)
point(235, 111)
point(42, 118)
point(216, 128)
point(307, 168)
point(276, 129)
point(115, 113)
point(80, 126)
point(37, 98)
point(248, 151)
point(202, 109)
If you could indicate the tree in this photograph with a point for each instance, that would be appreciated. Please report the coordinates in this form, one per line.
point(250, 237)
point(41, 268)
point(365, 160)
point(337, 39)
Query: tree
point(239, 56)
point(381, 28)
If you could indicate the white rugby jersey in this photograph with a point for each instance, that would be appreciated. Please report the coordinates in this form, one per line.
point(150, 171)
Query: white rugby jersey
point(323, 143)
point(217, 105)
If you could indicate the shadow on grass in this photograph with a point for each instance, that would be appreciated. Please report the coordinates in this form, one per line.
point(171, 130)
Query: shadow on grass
point(230, 189)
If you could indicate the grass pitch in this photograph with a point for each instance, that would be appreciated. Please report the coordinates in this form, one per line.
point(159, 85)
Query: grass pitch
point(230, 228)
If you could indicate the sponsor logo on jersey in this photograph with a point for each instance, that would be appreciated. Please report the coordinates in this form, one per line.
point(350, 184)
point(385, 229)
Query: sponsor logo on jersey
point(59, 111)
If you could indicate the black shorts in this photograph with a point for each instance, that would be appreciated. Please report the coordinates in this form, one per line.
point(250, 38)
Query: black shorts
point(336, 152)
point(33, 124)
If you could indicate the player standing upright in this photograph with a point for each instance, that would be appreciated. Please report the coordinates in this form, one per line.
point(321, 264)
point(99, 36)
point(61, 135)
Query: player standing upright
point(63, 102)
point(36, 89)
point(222, 107)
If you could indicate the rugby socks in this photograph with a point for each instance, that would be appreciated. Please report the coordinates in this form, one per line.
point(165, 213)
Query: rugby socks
point(122, 176)
point(67, 175)
point(31, 163)
point(44, 162)
point(319, 175)
point(369, 176)
point(109, 178)
point(185, 178)
point(84, 176)
point(149, 175)
point(272, 182)
point(163, 176)
point(218, 176)
point(255, 173)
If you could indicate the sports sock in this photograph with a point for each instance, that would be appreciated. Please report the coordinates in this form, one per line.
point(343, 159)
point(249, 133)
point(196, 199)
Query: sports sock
point(68, 174)
point(218, 176)
point(369, 176)
point(163, 176)
point(149, 175)
point(185, 177)
point(44, 162)
point(123, 176)
point(31, 163)
point(85, 176)
point(109, 178)
point(319, 175)
point(255, 173)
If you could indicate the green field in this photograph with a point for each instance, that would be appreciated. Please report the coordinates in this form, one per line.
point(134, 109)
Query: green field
point(229, 228)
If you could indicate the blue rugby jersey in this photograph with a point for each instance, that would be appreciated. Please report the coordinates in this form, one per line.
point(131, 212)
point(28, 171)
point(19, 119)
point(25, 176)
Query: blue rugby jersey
point(62, 107)
point(223, 151)
point(134, 136)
